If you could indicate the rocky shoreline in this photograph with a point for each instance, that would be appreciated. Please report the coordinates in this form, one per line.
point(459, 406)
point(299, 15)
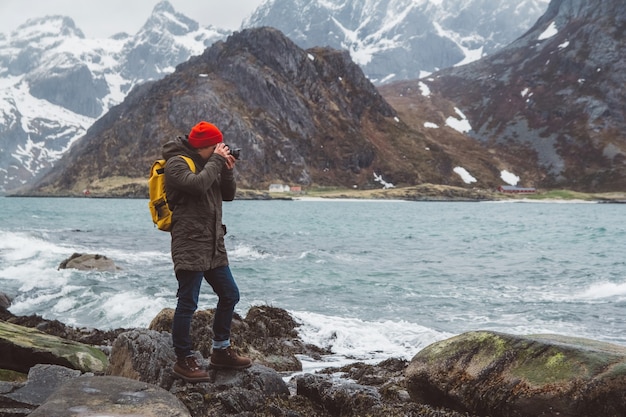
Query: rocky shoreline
point(54, 370)
point(267, 334)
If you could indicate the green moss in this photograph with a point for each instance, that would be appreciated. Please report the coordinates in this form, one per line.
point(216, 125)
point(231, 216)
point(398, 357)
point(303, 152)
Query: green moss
point(83, 357)
point(486, 339)
point(560, 195)
point(556, 360)
point(548, 367)
point(12, 376)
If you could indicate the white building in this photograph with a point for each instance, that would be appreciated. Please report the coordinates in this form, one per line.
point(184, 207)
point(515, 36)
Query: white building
point(279, 188)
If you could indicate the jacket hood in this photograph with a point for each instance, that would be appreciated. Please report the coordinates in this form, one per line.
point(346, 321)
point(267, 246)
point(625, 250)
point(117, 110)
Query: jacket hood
point(179, 146)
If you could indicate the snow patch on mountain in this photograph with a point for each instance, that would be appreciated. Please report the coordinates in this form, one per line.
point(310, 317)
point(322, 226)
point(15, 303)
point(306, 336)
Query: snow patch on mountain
point(509, 177)
point(465, 175)
point(461, 125)
point(549, 32)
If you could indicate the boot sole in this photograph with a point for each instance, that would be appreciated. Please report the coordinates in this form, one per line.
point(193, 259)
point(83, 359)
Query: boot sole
point(187, 379)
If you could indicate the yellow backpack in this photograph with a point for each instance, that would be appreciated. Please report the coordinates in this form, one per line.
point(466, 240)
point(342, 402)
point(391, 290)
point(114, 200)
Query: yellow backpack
point(160, 210)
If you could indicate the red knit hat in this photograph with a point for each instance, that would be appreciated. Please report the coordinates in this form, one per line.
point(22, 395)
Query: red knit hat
point(204, 134)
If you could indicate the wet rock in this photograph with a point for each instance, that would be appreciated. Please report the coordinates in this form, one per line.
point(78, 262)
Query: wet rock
point(89, 262)
point(88, 336)
point(144, 355)
point(42, 381)
point(338, 397)
point(231, 392)
point(502, 375)
point(273, 340)
point(387, 376)
point(22, 348)
point(110, 396)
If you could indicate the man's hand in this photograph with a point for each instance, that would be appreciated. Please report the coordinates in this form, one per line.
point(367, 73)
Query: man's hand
point(222, 150)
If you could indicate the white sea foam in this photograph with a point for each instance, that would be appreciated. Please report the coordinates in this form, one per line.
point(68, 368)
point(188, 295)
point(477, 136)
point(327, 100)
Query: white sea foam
point(245, 252)
point(16, 247)
point(33, 261)
point(351, 338)
point(132, 309)
point(603, 290)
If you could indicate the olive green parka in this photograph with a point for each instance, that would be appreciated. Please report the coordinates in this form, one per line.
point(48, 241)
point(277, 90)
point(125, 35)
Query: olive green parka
point(196, 199)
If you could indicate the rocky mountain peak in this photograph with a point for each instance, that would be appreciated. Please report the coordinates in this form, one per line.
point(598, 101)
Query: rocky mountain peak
point(165, 40)
point(23, 49)
point(302, 117)
point(282, 60)
point(165, 18)
point(34, 30)
point(402, 39)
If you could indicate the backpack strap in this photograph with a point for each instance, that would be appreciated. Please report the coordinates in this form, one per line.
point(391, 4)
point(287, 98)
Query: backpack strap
point(173, 202)
point(190, 162)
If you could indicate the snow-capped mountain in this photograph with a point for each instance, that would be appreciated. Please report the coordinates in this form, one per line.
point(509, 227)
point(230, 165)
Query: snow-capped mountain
point(54, 82)
point(402, 39)
point(552, 102)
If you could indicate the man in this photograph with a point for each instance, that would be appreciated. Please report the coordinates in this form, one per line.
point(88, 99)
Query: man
point(198, 249)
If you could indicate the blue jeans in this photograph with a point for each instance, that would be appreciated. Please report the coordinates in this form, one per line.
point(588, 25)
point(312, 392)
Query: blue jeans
point(223, 284)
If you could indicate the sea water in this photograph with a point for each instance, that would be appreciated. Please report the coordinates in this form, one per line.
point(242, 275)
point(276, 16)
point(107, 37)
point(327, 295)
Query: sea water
point(368, 279)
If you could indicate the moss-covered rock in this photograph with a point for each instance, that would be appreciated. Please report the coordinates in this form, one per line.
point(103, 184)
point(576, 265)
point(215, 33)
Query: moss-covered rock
point(7, 375)
point(497, 374)
point(23, 347)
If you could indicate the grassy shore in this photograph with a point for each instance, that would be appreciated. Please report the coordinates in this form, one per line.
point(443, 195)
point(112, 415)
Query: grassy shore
point(433, 192)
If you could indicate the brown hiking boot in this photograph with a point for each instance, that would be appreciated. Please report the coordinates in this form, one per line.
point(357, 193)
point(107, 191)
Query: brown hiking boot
point(228, 358)
point(189, 370)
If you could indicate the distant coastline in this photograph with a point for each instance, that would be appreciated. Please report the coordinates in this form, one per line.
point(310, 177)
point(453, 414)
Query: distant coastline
point(435, 193)
point(422, 192)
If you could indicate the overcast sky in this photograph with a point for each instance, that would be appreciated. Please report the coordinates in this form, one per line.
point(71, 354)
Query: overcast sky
point(103, 18)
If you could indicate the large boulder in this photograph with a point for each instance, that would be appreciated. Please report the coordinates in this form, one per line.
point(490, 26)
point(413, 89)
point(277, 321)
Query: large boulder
point(144, 355)
point(21, 348)
point(110, 396)
point(501, 375)
point(273, 340)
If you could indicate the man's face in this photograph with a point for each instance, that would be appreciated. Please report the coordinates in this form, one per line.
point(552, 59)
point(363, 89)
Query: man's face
point(205, 153)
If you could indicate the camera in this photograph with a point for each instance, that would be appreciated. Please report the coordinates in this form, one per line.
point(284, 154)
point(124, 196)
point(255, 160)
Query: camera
point(235, 152)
